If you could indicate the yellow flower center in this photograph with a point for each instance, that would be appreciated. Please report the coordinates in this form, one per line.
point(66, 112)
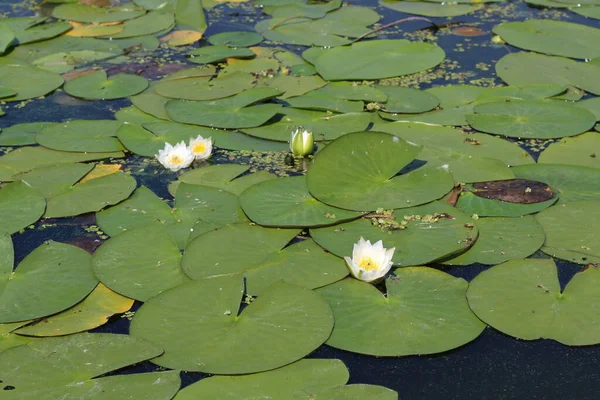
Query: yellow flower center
point(199, 148)
point(175, 159)
point(368, 264)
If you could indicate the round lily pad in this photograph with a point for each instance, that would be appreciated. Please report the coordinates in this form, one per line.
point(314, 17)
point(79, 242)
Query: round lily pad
point(235, 39)
point(472, 204)
point(87, 13)
point(54, 180)
point(581, 150)
point(10, 339)
point(20, 206)
point(557, 38)
point(531, 119)
point(200, 326)
point(569, 233)
point(148, 24)
point(358, 172)
point(425, 312)
point(82, 135)
point(502, 239)
point(377, 59)
point(212, 54)
point(407, 100)
point(50, 279)
point(573, 182)
point(203, 88)
point(431, 232)
point(522, 298)
point(430, 9)
point(21, 134)
point(98, 86)
point(139, 263)
point(286, 202)
point(28, 82)
point(64, 366)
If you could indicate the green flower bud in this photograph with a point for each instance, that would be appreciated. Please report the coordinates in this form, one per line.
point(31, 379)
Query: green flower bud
point(302, 143)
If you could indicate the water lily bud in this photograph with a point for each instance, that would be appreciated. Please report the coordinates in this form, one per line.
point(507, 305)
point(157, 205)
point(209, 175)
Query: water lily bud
point(302, 143)
point(370, 262)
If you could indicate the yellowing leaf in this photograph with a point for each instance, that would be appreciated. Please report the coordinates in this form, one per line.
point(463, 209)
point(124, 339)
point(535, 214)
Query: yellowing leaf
point(101, 170)
point(94, 30)
point(182, 37)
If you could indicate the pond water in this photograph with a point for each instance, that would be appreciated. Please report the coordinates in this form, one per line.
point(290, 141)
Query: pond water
point(494, 365)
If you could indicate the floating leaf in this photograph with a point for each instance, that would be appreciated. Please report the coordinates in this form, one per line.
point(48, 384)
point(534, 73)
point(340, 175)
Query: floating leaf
point(292, 85)
point(502, 239)
point(212, 54)
point(7, 38)
point(87, 13)
point(10, 339)
point(531, 119)
point(182, 37)
point(287, 203)
point(82, 135)
point(407, 100)
point(521, 191)
point(352, 91)
point(471, 204)
point(358, 172)
point(94, 30)
point(557, 38)
point(378, 59)
point(581, 150)
point(20, 206)
point(425, 312)
point(190, 14)
point(284, 324)
point(56, 179)
point(28, 82)
point(202, 88)
point(35, 373)
point(421, 234)
point(41, 32)
point(92, 312)
point(98, 86)
point(152, 22)
point(430, 9)
point(66, 61)
point(50, 279)
point(321, 102)
point(235, 39)
point(522, 298)
point(569, 235)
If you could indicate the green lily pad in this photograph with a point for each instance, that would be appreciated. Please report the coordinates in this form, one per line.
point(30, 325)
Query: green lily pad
point(569, 234)
point(42, 32)
point(233, 112)
point(571, 181)
point(592, 104)
point(589, 12)
point(203, 88)
point(430, 9)
point(146, 142)
point(531, 119)
point(407, 100)
point(28, 82)
point(212, 54)
point(502, 239)
point(151, 103)
point(50, 279)
point(92, 195)
point(66, 61)
point(431, 232)
point(235, 39)
point(55, 179)
point(7, 38)
point(133, 115)
point(467, 169)
point(27, 158)
point(579, 150)
point(7, 259)
point(471, 204)
point(351, 91)
point(8, 337)
point(301, 8)
point(324, 126)
point(378, 59)
point(321, 102)
point(222, 176)
point(190, 14)
point(357, 172)
point(148, 24)
point(558, 38)
point(292, 86)
point(41, 369)
point(140, 262)
point(530, 68)
point(98, 86)
point(284, 324)
point(87, 13)
point(454, 116)
point(524, 92)
point(20, 206)
point(94, 136)
point(522, 298)
point(425, 312)
point(286, 202)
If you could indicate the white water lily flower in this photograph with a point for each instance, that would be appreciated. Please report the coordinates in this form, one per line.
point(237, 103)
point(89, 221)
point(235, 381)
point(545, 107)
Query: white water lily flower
point(200, 147)
point(302, 143)
point(175, 158)
point(370, 262)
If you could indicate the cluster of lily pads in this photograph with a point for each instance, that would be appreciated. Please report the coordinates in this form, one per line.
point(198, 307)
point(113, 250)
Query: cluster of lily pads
point(245, 273)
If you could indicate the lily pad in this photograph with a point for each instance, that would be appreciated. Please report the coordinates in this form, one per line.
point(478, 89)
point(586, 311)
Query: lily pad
point(502, 239)
point(82, 135)
point(286, 202)
point(139, 263)
point(233, 112)
point(190, 14)
point(569, 234)
point(20, 206)
point(36, 374)
point(558, 38)
point(292, 86)
point(430, 232)
point(378, 59)
point(407, 100)
point(358, 172)
point(98, 86)
point(352, 91)
point(571, 181)
point(579, 150)
point(425, 312)
point(522, 298)
point(28, 82)
point(321, 102)
point(212, 54)
point(66, 61)
point(203, 88)
point(10, 339)
point(471, 204)
point(56, 179)
point(50, 279)
point(7, 38)
point(284, 324)
point(235, 39)
point(148, 24)
point(86, 13)
point(531, 119)
point(430, 9)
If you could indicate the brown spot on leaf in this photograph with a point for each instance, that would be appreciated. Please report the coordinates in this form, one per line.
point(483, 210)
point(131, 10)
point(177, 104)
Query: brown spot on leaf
point(522, 191)
point(468, 31)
